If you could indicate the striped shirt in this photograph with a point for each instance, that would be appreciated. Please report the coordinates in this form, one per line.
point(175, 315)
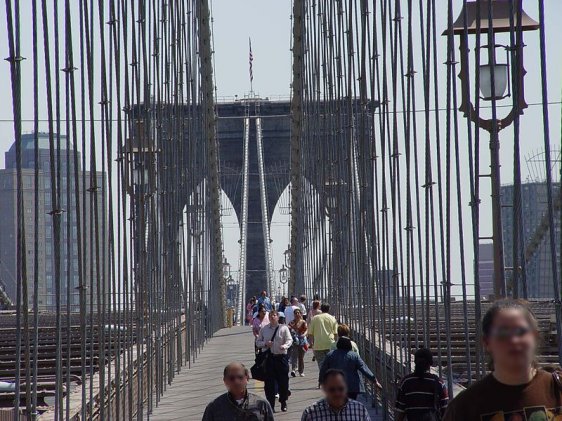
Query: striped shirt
point(417, 396)
point(321, 411)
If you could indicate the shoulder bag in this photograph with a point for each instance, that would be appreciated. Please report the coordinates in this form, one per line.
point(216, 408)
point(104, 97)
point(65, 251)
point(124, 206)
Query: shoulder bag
point(259, 368)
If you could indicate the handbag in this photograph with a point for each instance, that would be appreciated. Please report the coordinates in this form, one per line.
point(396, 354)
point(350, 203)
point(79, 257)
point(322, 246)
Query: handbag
point(259, 369)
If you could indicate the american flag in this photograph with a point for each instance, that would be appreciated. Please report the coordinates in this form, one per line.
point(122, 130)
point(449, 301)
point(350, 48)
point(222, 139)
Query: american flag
point(251, 58)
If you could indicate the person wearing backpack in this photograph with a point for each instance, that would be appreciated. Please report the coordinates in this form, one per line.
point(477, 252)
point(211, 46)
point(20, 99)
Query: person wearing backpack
point(422, 396)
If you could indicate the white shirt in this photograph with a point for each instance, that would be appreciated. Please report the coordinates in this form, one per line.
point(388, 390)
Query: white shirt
point(290, 313)
point(303, 308)
point(282, 341)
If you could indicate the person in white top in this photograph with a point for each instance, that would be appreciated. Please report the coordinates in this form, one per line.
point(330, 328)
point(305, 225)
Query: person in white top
point(290, 311)
point(276, 338)
point(302, 305)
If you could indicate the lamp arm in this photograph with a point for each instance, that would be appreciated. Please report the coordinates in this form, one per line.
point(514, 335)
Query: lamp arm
point(468, 108)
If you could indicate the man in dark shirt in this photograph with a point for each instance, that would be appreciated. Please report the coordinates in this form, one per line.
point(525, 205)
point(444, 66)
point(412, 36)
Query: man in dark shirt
point(421, 395)
point(238, 404)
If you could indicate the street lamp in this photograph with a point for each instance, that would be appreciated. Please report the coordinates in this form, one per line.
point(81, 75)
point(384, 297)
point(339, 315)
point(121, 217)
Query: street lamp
point(140, 157)
point(225, 269)
point(494, 85)
point(283, 277)
point(287, 254)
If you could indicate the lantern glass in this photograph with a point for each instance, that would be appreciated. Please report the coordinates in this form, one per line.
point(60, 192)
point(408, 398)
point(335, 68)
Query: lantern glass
point(501, 77)
point(140, 175)
point(283, 274)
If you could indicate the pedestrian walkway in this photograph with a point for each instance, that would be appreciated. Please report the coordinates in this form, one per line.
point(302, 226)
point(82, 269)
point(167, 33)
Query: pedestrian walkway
point(195, 387)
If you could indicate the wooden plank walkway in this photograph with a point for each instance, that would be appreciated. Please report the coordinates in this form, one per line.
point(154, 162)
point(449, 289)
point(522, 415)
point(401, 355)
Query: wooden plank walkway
point(193, 388)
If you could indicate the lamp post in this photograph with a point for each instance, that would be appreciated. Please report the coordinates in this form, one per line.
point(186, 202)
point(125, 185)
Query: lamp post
point(283, 277)
point(494, 85)
point(226, 276)
point(140, 181)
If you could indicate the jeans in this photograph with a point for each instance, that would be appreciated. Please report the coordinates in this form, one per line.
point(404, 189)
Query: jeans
point(320, 356)
point(277, 380)
point(297, 358)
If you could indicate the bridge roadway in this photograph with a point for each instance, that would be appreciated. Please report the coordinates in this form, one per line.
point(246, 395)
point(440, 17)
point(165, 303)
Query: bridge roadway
point(193, 388)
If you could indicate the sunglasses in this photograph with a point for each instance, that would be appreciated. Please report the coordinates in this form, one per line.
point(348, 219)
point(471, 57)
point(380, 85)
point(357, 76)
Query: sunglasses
point(505, 333)
point(340, 389)
point(233, 377)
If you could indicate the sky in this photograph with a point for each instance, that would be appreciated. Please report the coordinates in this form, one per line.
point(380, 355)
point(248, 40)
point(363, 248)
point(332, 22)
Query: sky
point(268, 24)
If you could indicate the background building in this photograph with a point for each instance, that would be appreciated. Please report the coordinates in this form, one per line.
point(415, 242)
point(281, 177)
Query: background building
point(486, 269)
point(535, 236)
point(43, 222)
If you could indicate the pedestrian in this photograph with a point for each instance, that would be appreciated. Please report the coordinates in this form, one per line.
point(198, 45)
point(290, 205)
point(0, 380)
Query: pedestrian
point(290, 310)
point(283, 304)
point(250, 311)
point(261, 319)
point(314, 311)
point(322, 332)
point(237, 403)
point(343, 330)
point(344, 359)
point(264, 299)
point(516, 387)
point(336, 405)
point(302, 305)
point(277, 339)
point(422, 396)
point(299, 330)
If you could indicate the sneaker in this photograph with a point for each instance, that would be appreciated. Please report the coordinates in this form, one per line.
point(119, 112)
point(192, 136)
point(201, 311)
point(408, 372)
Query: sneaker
point(293, 374)
point(301, 374)
point(284, 406)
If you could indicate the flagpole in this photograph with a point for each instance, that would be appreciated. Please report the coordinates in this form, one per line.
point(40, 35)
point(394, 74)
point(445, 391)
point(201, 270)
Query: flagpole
point(251, 59)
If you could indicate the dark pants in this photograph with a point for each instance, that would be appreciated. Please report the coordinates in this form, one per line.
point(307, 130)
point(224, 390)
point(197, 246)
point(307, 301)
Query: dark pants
point(277, 380)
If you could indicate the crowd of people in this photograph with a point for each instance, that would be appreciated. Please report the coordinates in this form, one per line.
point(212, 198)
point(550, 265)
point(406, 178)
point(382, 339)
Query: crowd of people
point(516, 388)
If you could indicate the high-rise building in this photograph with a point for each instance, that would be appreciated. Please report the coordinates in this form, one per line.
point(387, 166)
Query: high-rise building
point(486, 269)
point(38, 227)
point(536, 238)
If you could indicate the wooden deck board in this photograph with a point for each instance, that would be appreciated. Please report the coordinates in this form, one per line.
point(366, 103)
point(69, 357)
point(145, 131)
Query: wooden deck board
point(193, 388)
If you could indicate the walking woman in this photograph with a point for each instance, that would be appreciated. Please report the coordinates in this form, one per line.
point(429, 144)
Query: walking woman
point(314, 311)
point(299, 330)
point(250, 310)
point(344, 359)
point(276, 339)
point(260, 320)
point(516, 388)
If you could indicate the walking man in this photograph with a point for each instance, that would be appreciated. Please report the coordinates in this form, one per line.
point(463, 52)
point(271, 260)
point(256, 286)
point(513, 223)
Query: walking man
point(237, 403)
point(322, 333)
point(290, 310)
point(276, 338)
point(421, 395)
point(264, 299)
point(336, 405)
point(302, 305)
